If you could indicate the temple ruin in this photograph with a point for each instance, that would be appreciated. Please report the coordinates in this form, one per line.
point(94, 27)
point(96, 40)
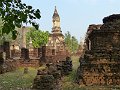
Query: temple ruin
point(99, 64)
point(55, 49)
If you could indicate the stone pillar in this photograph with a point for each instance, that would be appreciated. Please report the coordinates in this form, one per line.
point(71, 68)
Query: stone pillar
point(24, 50)
point(23, 37)
point(24, 53)
point(43, 51)
point(1, 58)
point(43, 58)
point(7, 49)
point(39, 52)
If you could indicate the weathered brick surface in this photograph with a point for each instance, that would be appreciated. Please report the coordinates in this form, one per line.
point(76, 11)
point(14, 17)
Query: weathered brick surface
point(65, 66)
point(99, 65)
point(8, 66)
point(48, 57)
point(6, 47)
point(50, 77)
point(25, 54)
point(47, 79)
point(31, 63)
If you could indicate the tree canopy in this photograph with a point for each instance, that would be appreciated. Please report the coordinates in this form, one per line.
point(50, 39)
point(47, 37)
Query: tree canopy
point(71, 42)
point(37, 37)
point(4, 37)
point(14, 13)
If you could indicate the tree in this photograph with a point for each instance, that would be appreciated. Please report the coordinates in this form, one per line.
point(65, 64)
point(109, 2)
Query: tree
point(14, 13)
point(74, 44)
point(4, 37)
point(37, 37)
point(1, 32)
point(71, 42)
point(68, 40)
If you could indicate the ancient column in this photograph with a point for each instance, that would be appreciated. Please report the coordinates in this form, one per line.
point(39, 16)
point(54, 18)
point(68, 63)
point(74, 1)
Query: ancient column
point(24, 51)
point(43, 51)
point(1, 55)
point(43, 58)
point(39, 52)
point(7, 49)
point(23, 37)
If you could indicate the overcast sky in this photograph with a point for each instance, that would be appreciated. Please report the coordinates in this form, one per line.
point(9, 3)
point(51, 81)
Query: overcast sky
point(75, 15)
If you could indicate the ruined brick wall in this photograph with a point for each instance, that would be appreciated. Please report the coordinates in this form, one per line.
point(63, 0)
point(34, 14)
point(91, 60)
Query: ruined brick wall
point(31, 63)
point(15, 53)
point(33, 52)
point(100, 63)
point(49, 78)
point(49, 54)
point(8, 66)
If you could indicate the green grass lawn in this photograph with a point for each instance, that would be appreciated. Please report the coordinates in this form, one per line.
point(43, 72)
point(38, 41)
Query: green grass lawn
point(17, 80)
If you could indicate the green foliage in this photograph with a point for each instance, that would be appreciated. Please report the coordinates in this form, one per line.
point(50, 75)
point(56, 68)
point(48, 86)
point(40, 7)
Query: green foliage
point(74, 44)
point(71, 42)
point(1, 38)
point(1, 24)
point(4, 36)
point(14, 13)
point(17, 80)
point(68, 40)
point(37, 37)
